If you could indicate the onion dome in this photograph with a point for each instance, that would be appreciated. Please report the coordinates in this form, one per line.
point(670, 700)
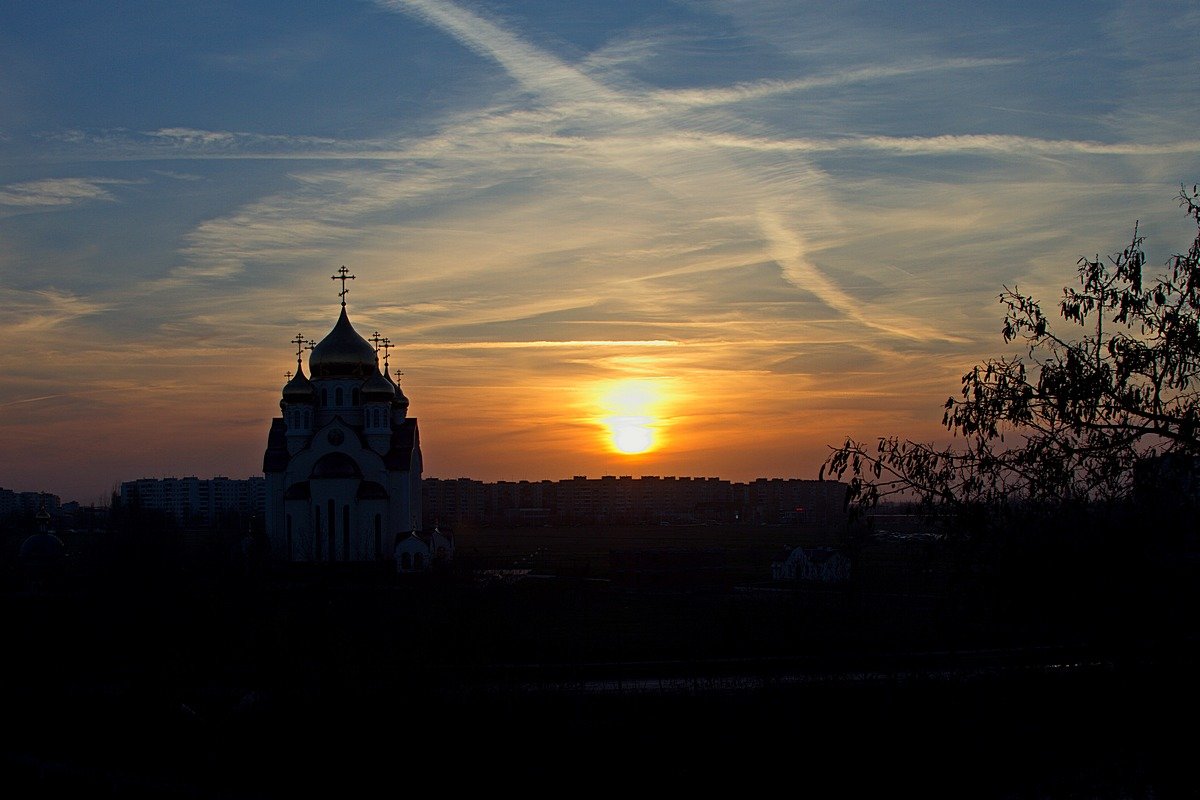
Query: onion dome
point(42, 549)
point(42, 554)
point(299, 389)
point(378, 389)
point(343, 353)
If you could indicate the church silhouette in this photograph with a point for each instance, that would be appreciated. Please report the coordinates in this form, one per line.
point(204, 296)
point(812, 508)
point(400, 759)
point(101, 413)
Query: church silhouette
point(343, 463)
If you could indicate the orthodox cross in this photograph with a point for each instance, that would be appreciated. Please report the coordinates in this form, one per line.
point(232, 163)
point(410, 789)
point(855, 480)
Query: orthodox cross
point(385, 344)
point(302, 344)
point(343, 276)
point(398, 374)
point(375, 340)
point(288, 375)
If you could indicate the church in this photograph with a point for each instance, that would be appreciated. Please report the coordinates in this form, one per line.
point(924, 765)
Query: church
point(343, 463)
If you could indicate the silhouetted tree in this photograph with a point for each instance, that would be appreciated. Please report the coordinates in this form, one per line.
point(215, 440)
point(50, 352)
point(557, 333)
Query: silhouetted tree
point(1067, 422)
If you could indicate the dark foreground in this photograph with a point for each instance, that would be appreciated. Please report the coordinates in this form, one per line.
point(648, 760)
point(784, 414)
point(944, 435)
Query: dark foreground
point(225, 683)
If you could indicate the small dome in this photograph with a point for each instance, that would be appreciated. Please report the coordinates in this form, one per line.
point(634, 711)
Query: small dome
point(42, 549)
point(343, 353)
point(378, 389)
point(299, 389)
point(399, 401)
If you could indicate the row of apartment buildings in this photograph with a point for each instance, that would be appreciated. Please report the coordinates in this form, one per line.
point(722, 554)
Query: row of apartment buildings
point(27, 503)
point(203, 502)
point(626, 499)
point(198, 502)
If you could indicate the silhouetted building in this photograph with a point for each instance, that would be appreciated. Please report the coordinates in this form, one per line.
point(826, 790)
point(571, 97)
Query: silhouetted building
point(791, 501)
point(198, 502)
point(421, 551)
point(624, 499)
point(343, 463)
point(42, 555)
point(816, 564)
point(12, 503)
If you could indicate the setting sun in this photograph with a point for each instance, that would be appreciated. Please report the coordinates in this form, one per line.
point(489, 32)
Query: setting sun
point(631, 435)
point(632, 416)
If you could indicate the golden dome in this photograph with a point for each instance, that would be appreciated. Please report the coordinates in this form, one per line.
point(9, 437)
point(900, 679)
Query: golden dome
point(299, 389)
point(343, 353)
point(378, 389)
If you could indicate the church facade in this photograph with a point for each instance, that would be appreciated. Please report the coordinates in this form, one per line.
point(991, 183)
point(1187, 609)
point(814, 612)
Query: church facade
point(343, 462)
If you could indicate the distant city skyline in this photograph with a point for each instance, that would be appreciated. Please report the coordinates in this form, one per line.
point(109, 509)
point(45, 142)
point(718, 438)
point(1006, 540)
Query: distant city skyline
point(724, 234)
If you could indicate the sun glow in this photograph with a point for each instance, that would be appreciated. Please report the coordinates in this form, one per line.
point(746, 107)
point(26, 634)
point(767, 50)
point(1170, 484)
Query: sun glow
point(632, 418)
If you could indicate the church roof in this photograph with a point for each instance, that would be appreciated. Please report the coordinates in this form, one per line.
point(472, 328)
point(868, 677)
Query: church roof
point(276, 458)
point(343, 353)
point(404, 439)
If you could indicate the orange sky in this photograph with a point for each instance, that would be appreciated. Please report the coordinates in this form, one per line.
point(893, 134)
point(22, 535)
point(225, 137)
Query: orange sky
point(793, 220)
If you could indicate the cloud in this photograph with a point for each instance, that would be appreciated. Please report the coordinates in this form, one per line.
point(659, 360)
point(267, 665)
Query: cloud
point(495, 345)
point(51, 192)
point(530, 67)
point(760, 89)
point(200, 144)
point(45, 309)
point(665, 193)
point(950, 144)
point(179, 176)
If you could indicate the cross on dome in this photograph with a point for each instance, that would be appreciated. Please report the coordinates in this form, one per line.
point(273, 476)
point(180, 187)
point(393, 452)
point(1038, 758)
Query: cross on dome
point(302, 344)
point(343, 276)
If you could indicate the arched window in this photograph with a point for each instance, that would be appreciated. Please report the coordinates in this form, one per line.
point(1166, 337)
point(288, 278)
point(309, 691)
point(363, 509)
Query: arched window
point(324, 397)
point(338, 397)
point(307, 418)
point(418, 561)
point(345, 533)
point(289, 537)
point(406, 560)
point(354, 396)
point(378, 536)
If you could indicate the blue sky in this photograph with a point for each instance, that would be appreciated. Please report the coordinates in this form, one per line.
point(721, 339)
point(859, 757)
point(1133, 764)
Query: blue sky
point(790, 221)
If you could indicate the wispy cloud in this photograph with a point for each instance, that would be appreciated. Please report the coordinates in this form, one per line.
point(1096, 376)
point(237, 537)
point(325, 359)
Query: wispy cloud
point(494, 345)
point(996, 144)
point(760, 89)
point(45, 309)
point(51, 192)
